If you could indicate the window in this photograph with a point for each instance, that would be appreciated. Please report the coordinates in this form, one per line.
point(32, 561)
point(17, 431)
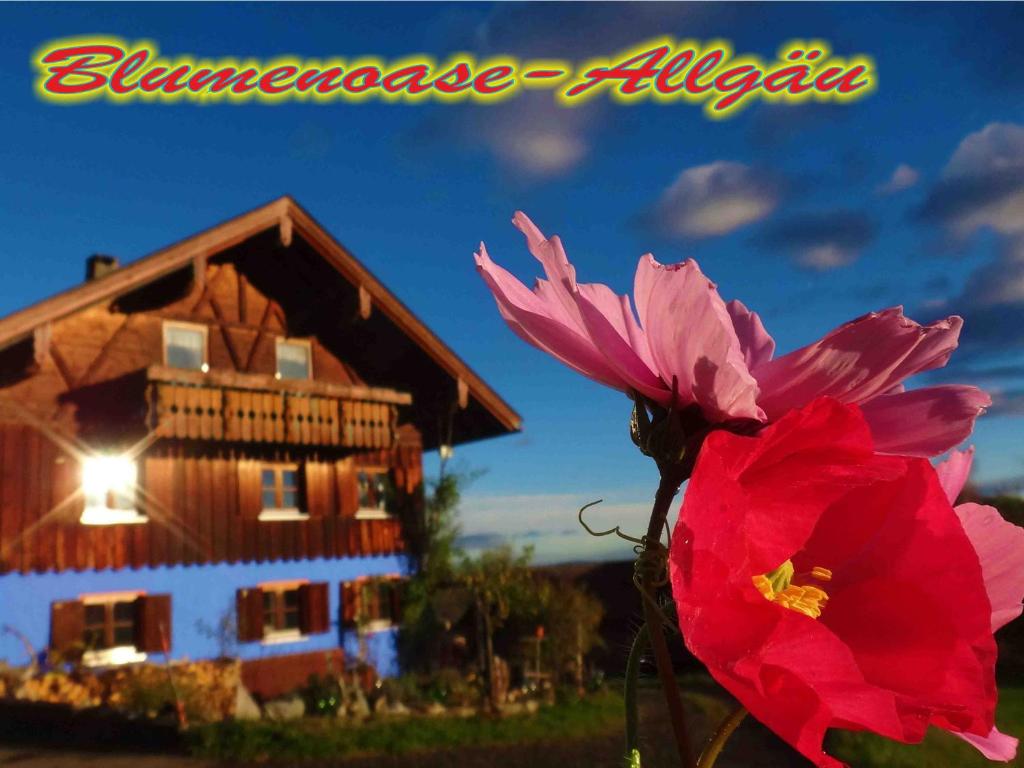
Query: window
point(280, 493)
point(294, 359)
point(375, 494)
point(110, 484)
point(111, 628)
point(185, 346)
point(280, 612)
point(372, 604)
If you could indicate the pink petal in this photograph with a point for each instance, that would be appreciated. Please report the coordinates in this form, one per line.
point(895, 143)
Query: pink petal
point(995, 746)
point(758, 347)
point(692, 338)
point(857, 361)
point(1000, 548)
point(954, 471)
point(539, 319)
point(552, 256)
point(610, 324)
point(926, 421)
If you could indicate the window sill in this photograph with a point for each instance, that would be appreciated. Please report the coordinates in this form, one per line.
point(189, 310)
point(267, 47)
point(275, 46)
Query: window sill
point(377, 625)
point(277, 637)
point(373, 514)
point(272, 515)
point(111, 657)
point(107, 516)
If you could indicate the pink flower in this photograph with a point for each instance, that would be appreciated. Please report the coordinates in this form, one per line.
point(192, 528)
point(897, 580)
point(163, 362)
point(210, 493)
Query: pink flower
point(721, 356)
point(1000, 549)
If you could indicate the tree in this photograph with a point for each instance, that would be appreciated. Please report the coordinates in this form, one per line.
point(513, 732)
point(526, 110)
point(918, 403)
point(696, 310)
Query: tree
point(500, 583)
point(571, 618)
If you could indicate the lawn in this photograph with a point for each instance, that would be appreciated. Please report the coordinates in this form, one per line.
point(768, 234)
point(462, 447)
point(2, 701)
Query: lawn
point(567, 734)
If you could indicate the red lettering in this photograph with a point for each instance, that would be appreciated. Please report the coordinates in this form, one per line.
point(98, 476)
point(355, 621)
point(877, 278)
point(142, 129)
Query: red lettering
point(488, 81)
point(632, 72)
point(159, 79)
point(679, 62)
point(239, 81)
point(410, 79)
point(322, 80)
point(83, 58)
point(737, 82)
point(777, 80)
point(128, 67)
point(361, 79)
point(706, 64)
point(269, 81)
point(456, 79)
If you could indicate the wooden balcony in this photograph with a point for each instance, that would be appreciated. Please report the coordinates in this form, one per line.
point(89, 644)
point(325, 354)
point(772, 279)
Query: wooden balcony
point(253, 408)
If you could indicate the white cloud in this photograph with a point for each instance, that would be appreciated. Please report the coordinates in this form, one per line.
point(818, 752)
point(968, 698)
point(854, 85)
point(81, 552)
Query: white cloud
point(903, 177)
point(715, 199)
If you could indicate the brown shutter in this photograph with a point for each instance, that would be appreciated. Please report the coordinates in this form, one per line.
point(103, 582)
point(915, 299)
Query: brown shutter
point(349, 603)
point(249, 614)
point(397, 587)
point(67, 627)
point(348, 488)
point(153, 623)
point(313, 616)
point(317, 486)
point(250, 490)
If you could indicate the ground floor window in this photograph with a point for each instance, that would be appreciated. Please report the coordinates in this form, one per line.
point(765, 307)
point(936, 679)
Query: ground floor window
point(110, 628)
point(282, 611)
point(372, 603)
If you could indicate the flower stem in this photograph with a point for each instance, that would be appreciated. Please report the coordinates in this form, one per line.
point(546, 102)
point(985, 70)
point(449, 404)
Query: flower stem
point(629, 694)
point(671, 479)
point(717, 743)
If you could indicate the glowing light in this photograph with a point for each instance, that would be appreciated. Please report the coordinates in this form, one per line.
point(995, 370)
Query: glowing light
point(109, 484)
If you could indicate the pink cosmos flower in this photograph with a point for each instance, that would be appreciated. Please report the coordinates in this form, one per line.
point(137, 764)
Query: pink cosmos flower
point(721, 356)
point(1000, 549)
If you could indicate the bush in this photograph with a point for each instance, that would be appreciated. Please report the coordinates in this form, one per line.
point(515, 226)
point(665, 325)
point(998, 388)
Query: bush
point(322, 696)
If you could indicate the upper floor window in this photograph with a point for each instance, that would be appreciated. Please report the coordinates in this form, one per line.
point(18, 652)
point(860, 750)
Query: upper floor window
point(375, 493)
point(185, 346)
point(294, 359)
point(280, 492)
point(110, 487)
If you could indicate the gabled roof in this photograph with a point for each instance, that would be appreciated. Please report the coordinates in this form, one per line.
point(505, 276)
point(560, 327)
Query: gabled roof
point(292, 220)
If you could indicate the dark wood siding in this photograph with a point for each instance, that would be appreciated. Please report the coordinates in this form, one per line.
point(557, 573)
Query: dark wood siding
point(203, 503)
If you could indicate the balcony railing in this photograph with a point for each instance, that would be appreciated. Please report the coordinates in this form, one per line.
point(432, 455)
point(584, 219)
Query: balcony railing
point(224, 405)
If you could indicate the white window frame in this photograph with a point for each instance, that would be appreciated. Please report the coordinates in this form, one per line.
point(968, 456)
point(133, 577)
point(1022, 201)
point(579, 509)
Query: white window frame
point(280, 636)
point(372, 513)
point(278, 514)
point(297, 342)
point(200, 327)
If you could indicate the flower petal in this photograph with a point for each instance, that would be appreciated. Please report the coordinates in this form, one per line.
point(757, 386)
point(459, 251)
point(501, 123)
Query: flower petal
point(954, 471)
point(926, 421)
point(692, 338)
point(758, 346)
point(856, 361)
point(539, 319)
point(995, 746)
point(1000, 548)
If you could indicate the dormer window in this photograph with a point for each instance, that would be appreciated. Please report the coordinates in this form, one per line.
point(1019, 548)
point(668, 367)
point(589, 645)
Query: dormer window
point(294, 359)
point(185, 346)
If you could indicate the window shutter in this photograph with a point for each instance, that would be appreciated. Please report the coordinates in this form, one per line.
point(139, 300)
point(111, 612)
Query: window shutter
point(67, 627)
point(318, 491)
point(349, 603)
point(348, 488)
point(250, 490)
point(313, 616)
point(397, 587)
point(153, 623)
point(249, 614)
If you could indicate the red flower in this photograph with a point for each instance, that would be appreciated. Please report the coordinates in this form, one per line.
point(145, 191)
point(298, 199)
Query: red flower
point(876, 617)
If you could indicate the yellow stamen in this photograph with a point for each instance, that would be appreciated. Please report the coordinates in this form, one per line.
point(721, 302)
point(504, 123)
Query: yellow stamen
point(777, 587)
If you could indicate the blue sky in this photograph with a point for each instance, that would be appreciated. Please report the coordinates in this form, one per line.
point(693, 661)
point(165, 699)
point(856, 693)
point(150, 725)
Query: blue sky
point(811, 214)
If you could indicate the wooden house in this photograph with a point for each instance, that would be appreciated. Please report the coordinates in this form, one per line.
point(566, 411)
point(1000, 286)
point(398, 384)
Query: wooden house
point(216, 449)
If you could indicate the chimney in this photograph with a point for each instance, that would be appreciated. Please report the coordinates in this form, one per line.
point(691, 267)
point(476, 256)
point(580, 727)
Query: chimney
point(98, 265)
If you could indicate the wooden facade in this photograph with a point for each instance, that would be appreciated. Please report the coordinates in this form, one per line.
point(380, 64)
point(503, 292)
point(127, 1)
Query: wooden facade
point(85, 373)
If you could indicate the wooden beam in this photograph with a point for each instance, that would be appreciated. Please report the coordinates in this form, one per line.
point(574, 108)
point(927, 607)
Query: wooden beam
point(41, 344)
point(284, 229)
point(199, 269)
point(463, 389)
point(101, 356)
point(62, 366)
point(365, 303)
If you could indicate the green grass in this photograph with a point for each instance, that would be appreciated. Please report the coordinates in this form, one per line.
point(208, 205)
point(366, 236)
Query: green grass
point(939, 750)
point(311, 739)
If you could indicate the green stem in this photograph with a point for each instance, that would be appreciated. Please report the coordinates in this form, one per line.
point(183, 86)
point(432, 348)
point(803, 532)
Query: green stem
point(632, 676)
point(717, 742)
point(671, 479)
